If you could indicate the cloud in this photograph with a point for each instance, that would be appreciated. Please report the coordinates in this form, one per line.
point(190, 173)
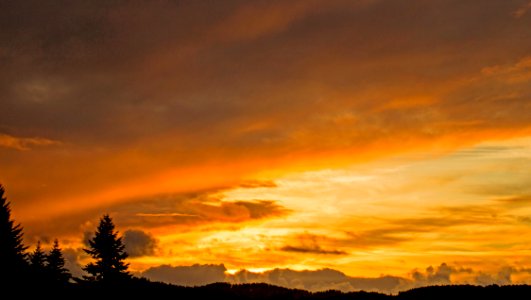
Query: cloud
point(393, 231)
point(325, 279)
point(306, 279)
point(310, 243)
point(505, 275)
point(315, 250)
point(258, 184)
point(155, 215)
point(446, 274)
point(388, 233)
point(24, 143)
point(522, 10)
point(195, 275)
point(72, 261)
point(187, 211)
point(315, 280)
point(321, 280)
point(139, 243)
point(330, 279)
point(258, 20)
point(440, 275)
point(190, 210)
point(516, 201)
point(260, 209)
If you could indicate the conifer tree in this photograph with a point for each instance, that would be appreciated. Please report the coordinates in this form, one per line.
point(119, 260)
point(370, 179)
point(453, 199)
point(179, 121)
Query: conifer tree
point(38, 261)
point(108, 250)
point(13, 264)
point(56, 265)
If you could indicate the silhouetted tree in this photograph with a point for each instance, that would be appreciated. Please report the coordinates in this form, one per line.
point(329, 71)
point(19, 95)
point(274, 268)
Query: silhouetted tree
point(56, 265)
point(13, 264)
point(38, 262)
point(109, 251)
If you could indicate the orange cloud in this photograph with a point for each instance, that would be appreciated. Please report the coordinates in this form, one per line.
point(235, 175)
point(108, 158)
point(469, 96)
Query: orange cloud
point(24, 143)
point(522, 11)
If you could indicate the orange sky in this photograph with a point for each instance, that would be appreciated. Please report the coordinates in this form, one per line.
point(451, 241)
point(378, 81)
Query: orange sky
point(369, 137)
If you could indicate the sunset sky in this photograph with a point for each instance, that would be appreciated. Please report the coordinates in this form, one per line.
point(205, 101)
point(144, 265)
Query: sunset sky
point(229, 140)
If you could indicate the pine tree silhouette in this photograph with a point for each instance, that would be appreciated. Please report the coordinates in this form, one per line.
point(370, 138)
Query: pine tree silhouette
point(109, 251)
point(56, 265)
point(38, 262)
point(13, 264)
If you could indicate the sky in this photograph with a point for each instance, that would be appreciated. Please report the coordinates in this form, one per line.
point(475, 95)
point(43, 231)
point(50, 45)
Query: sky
point(366, 144)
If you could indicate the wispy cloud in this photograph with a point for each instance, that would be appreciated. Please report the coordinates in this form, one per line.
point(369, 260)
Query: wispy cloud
point(314, 250)
point(202, 209)
point(522, 10)
point(24, 143)
point(258, 184)
point(155, 215)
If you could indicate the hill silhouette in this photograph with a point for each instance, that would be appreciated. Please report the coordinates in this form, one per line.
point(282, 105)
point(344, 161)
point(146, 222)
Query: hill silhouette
point(136, 288)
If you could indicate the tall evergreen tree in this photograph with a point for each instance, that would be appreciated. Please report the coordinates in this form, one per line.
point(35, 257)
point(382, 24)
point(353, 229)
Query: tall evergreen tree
point(13, 264)
point(108, 250)
point(56, 265)
point(38, 259)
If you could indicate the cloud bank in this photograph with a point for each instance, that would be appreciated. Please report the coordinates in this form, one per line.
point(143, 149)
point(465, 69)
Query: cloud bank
point(139, 243)
point(326, 279)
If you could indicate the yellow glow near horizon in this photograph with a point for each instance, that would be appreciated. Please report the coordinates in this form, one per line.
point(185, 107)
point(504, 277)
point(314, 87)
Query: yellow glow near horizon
point(366, 218)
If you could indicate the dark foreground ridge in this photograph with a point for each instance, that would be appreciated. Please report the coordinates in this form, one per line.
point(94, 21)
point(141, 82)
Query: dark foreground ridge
point(140, 288)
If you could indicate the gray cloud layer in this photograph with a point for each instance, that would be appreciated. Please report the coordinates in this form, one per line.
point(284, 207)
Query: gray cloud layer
point(139, 243)
point(187, 275)
point(326, 279)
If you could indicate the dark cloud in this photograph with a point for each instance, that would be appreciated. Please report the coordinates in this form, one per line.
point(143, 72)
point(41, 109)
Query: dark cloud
point(89, 53)
point(72, 258)
point(171, 83)
point(260, 209)
point(440, 275)
point(186, 210)
point(505, 276)
point(393, 231)
point(194, 210)
point(317, 280)
point(516, 201)
point(194, 275)
point(258, 184)
point(310, 243)
point(315, 250)
point(326, 279)
point(309, 280)
point(139, 243)
point(320, 280)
